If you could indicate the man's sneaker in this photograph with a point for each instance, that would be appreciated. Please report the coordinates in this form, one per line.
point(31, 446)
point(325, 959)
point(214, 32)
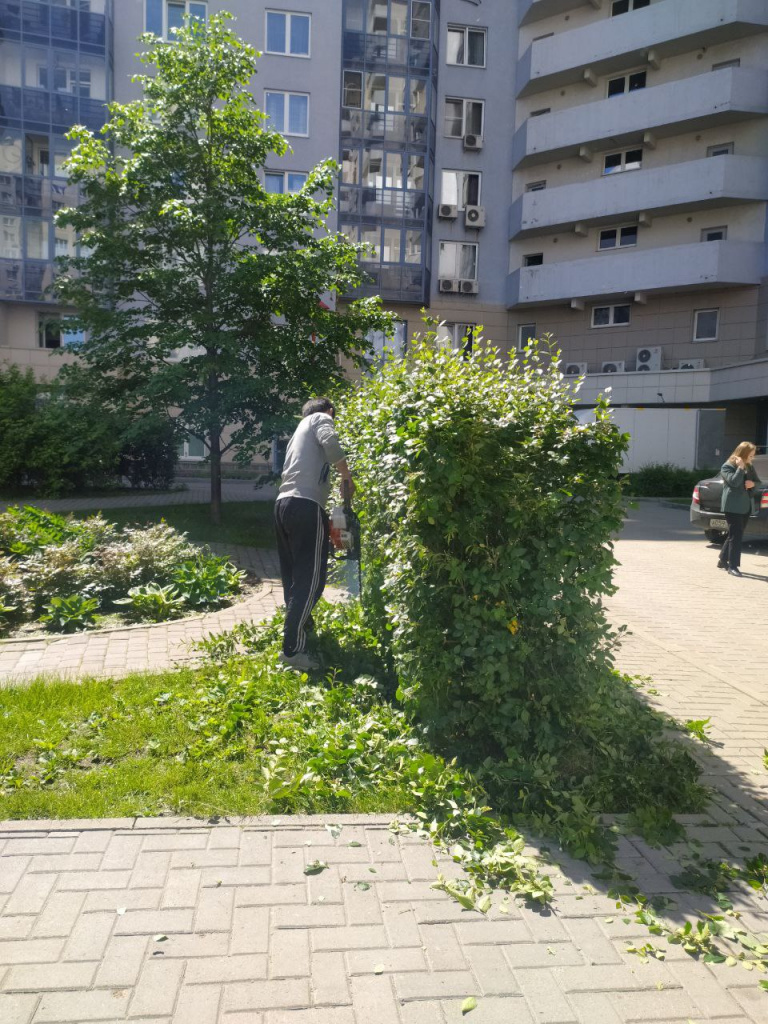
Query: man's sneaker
point(302, 662)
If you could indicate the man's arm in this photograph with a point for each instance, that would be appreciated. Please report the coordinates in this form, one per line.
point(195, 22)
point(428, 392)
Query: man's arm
point(329, 439)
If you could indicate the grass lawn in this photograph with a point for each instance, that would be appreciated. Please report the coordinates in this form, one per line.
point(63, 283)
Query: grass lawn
point(248, 522)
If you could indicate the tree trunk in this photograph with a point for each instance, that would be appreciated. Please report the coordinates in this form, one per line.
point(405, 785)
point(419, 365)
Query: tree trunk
point(215, 456)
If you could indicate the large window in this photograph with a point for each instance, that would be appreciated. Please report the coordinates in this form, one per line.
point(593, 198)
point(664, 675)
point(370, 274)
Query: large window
point(610, 316)
point(458, 260)
point(53, 332)
point(463, 117)
point(282, 182)
point(460, 189)
point(705, 324)
point(288, 111)
point(162, 16)
point(10, 237)
point(630, 160)
point(627, 83)
point(421, 18)
point(288, 33)
point(458, 337)
point(618, 238)
point(466, 46)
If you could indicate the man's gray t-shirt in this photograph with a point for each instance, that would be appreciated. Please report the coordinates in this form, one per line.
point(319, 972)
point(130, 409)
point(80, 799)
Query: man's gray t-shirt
point(312, 450)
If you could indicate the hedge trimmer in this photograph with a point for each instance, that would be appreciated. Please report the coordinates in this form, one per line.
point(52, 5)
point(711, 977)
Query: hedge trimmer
point(345, 536)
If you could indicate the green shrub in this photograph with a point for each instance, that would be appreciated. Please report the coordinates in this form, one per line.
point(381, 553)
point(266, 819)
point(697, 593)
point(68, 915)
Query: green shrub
point(153, 603)
point(149, 453)
point(18, 397)
point(488, 513)
point(70, 614)
point(207, 581)
point(663, 480)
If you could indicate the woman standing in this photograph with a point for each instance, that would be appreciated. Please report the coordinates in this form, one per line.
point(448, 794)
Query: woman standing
point(739, 478)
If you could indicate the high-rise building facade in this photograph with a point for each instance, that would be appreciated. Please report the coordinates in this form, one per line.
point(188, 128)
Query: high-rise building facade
point(594, 169)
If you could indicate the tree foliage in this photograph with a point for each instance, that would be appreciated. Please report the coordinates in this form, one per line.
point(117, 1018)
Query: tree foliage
point(199, 290)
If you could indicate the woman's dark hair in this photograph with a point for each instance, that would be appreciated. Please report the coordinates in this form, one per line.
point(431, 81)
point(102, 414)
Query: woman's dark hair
point(318, 405)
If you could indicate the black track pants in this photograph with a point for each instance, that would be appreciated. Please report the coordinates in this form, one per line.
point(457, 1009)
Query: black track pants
point(730, 554)
point(302, 546)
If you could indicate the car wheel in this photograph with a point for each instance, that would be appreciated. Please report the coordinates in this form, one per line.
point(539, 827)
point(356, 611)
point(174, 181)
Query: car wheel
point(715, 536)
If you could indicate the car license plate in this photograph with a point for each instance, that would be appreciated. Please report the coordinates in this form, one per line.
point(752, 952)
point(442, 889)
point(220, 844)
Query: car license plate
point(718, 524)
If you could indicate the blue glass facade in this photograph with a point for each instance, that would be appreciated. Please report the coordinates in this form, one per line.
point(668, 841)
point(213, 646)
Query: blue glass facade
point(56, 70)
point(387, 146)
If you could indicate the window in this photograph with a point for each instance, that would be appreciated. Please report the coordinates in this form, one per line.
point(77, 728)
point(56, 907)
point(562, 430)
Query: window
point(463, 117)
point(705, 324)
point(10, 238)
point(624, 6)
point(396, 342)
point(353, 89)
point(421, 19)
point(164, 15)
point(541, 112)
point(466, 46)
point(630, 160)
point(288, 34)
point(618, 238)
point(53, 332)
point(735, 63)
point(458, 337)
point(627, 83)
point(458, 260)
point(610, 316)
point(714, 234)
point(535, 186)
point(192, 448)
point(525, 333)
point(533, 259)
point(283, 182)
point(398, 17)
point(288, 111)
point(460, 189)
point(722, 149)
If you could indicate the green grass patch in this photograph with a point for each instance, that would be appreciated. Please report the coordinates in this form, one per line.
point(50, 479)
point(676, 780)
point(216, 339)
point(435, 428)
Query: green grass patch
point(249, 523)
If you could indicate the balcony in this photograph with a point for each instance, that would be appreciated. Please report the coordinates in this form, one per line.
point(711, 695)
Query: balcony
point(663, 30)
point(690, 104)
point(537, 10)
point(715, 181)
point(622, 274)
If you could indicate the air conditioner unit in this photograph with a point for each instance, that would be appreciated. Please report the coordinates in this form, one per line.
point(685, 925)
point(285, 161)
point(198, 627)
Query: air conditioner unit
point(649, 359)
point(691, 364)
point(473, 142)
point(448, 284)
point(447, 212)
point(469, 287)
point(617, 366)
point(575, 369)
point(474, 217)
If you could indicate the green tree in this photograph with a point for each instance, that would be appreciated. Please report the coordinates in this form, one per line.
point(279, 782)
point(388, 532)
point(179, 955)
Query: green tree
point(200, 292)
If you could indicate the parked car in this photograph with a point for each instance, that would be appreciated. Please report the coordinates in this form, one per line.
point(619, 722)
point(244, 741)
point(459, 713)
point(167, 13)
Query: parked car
point(705, 506)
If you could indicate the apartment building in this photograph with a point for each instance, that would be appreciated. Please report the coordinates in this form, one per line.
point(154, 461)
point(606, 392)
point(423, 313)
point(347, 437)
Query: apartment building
point(596, 169)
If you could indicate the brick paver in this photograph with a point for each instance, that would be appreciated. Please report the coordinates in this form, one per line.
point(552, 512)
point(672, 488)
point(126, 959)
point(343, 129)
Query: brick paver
point(179, 921)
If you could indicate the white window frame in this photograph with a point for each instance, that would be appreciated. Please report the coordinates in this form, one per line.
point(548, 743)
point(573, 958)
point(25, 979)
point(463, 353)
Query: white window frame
point(464, 101)
point(706, 231)
point(724, 148)
point(286, 111)
point(622, 168)
point(284, 175)
point(461, 187)
point(523, 338)
point(466, 29)
point(57, 318)
point(618, 228)
point(184, 452)
point(536, 186)
point(632, 7)
point(455, 336)
point(456, 246)
point(626, 76)
point(612, 318)
point(696, 314)
point(166, 30)
point(289, 16)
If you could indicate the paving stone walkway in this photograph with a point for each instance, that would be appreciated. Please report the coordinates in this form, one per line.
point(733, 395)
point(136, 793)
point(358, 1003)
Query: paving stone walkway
point(200, 923)
point(195, 492)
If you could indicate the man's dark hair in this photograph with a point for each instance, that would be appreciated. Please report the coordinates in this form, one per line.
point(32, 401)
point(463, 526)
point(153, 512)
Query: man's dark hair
point(318, 405)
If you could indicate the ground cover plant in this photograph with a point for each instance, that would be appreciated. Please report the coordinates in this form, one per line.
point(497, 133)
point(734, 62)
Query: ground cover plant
point(249, 523)
point(66, 573)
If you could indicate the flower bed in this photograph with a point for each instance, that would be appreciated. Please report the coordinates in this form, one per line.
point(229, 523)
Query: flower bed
point(67, 575)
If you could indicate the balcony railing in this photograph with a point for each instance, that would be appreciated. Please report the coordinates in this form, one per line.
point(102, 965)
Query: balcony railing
point(701, 101)
point(660, 31)
point(536, 10)
point(677, 188)
point(623, 274)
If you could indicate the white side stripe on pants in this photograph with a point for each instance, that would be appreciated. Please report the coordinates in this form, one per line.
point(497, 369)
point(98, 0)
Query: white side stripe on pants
point(301, 637)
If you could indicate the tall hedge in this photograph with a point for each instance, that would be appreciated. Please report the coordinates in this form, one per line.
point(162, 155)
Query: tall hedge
point(488, 513)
